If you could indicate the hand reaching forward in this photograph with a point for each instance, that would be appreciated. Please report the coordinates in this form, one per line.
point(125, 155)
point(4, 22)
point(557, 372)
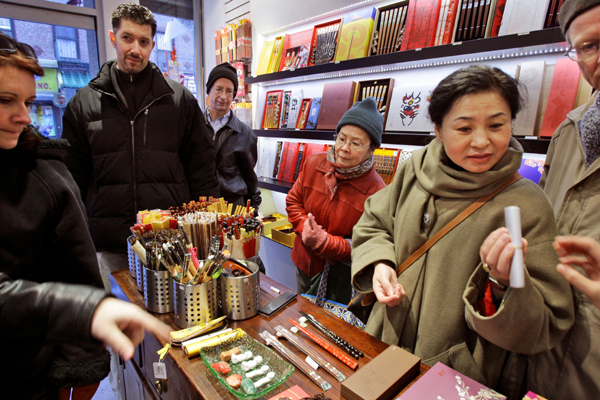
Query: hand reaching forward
point(386, 286)
point(121, 325)
point(585, 253)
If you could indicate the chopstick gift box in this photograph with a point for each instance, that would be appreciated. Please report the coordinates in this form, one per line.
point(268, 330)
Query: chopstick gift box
point(377, 381)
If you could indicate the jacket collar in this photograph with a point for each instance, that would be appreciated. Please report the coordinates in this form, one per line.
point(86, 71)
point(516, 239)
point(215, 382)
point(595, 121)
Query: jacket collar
point(361, 183)
point(103, 82)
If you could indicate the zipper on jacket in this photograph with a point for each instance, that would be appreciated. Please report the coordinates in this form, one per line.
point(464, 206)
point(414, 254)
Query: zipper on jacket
point(134, 168)
point(145, 125)
point(133, 148)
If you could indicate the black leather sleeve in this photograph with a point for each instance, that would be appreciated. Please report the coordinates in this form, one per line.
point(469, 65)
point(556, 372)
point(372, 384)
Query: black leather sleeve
point(62, 313)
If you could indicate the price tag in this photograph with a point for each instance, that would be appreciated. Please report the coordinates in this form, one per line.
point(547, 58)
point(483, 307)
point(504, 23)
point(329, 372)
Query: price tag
point(160, 370)
point(312, 363)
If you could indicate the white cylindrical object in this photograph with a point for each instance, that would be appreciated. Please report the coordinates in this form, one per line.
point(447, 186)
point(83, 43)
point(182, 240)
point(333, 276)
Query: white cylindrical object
point(512, 215)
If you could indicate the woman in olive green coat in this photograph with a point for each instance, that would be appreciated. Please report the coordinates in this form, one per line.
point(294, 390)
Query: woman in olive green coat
point(446, 307)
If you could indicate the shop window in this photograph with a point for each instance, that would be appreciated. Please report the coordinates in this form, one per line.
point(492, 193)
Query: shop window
point(78, 3)
point(5, 26)
point(66, 43)
point(176, 23)
point(69, 57)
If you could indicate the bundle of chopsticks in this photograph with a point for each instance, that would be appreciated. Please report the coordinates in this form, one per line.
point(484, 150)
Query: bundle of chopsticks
point(242, 236)
point(171, 250)
point(200, 226)
point(211, 204)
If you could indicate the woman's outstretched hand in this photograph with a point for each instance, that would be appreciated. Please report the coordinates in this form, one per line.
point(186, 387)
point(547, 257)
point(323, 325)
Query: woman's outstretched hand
point(386, 287)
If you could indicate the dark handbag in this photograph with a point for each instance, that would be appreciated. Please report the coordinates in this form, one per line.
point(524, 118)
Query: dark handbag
point(362, 304)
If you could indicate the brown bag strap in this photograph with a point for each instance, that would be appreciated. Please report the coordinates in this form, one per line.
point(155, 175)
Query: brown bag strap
point(457, 220)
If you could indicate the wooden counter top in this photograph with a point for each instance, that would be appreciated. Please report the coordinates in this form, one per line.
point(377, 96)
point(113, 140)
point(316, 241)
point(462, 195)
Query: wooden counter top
point(190, 378)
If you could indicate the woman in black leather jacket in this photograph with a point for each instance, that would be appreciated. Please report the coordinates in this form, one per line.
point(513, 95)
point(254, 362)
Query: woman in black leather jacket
point(46, 253)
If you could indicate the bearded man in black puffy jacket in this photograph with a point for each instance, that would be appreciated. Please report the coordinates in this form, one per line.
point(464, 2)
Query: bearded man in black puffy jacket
point(138, 140)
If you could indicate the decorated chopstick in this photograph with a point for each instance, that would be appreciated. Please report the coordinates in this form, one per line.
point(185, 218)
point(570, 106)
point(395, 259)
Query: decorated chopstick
point(281, 331)
point(324, 344)
point(302, 365)
point(353, 351)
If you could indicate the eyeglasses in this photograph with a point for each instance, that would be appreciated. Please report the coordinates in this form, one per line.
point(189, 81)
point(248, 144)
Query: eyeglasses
point(219, 91)
point(583, 52)
point(8, 45)
point(354, 146)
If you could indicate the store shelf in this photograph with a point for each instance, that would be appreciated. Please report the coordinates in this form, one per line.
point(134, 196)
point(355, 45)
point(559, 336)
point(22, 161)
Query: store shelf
point(508, 42)
point(530, 145)
point(274, 184)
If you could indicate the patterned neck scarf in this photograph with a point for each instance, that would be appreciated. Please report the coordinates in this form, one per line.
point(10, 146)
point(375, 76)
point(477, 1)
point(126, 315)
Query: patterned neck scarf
point(338, 173)
point(590, 132)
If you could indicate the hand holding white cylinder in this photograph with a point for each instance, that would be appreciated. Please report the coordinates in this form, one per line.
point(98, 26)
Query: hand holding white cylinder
point(512, 215)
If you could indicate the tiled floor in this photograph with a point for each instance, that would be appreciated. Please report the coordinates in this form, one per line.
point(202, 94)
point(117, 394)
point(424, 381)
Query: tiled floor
point(104, 391)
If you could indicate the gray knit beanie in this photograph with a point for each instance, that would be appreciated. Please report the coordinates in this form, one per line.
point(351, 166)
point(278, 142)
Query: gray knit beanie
point(365, 115)
point(571, 9)
point(224, 70)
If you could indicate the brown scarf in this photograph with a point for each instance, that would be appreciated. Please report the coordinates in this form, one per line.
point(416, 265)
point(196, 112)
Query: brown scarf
point(337, 173)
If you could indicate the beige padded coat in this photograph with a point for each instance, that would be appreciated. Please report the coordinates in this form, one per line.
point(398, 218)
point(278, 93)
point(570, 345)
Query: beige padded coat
point(572, 369)
point(438, 319)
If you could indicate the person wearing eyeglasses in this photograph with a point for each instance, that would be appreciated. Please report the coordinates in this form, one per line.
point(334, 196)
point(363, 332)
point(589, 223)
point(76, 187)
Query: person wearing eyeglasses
point(328, 198)
point(571, 179)
point(138, 140)
point(454, 303)
point(233, 141)
point(54, 311)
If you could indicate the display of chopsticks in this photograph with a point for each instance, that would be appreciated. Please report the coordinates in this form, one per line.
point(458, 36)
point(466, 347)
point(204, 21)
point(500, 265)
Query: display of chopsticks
point(272, 110)
point(242, 236)
point(302, 365)
point(326, 345)
point(238, 229)
point(211, 204)
point(377, 91)
point(280, 331)
point(171, 250)
point(347, 347)
point(388, 37)
point(324, 49)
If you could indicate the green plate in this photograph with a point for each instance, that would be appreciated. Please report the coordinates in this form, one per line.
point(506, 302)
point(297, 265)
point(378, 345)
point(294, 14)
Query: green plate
point(281, 367)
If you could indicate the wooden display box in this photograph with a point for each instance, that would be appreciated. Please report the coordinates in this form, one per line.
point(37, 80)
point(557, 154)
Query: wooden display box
point(381, 89)
point(272, 111)
point(387, 29)
point(283, 237)
point(324, 53)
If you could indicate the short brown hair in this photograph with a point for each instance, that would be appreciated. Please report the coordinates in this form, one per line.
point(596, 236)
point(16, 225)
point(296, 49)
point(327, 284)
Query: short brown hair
point(135, 13)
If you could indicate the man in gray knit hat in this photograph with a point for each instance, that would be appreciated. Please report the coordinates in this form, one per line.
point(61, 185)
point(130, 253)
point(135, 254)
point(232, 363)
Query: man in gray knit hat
point(571, 180)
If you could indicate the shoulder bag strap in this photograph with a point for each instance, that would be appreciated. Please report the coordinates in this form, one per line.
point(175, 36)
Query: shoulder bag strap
point(457, 220)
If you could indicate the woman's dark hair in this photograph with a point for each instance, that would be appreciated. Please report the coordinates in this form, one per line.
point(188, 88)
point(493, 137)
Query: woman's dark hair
point(471, 80)
point(135, 13)
point(29, 139)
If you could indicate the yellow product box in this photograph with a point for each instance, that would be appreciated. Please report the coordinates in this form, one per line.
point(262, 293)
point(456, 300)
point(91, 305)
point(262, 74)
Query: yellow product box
point(268, 225)
point(355, 35)
point(284, 235)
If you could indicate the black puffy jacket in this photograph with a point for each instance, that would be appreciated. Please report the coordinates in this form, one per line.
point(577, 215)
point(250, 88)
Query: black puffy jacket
point(44, 240)
point(160, 158)
point(235, 153)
